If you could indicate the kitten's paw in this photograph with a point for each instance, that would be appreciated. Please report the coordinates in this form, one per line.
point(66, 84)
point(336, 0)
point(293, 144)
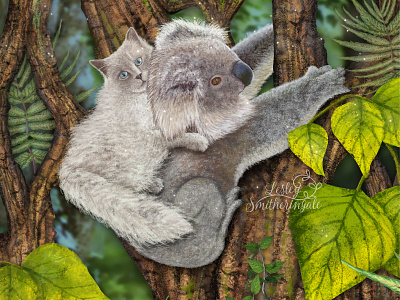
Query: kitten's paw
point(156, 186)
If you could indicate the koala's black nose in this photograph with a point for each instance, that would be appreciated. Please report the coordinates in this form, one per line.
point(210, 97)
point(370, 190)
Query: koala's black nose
point(139, 76)
point(243, 72)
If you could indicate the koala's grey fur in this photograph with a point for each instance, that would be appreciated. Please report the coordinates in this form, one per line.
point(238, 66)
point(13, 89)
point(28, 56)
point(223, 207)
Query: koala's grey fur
point(204, 185)
point(111, 168)
point(185, 59)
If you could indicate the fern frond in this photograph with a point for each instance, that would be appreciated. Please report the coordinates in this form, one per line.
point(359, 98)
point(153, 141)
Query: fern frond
point(356, 24)
point(45, 125)
point(84, 95)
point(24, 159)
point(395, 23)
point(376, 9)
point(22, 147)
point(369, 20)
point(16, 121)
point(16, 112)
point(378, 82)
point(386, 70)
point(22, 68)
point(39, 155)
point(396, 39)
point(369, 37)
point(72, 79)
point(391, 11)
point(68, 70)
point(41, 136)
point(376, 14)
point(363, 47)
point(40, 144)
point(369, 58)
point(63, 62)
point(29, 90)
point(35, 108)
point(44, 115)
point(17, 129)
point(379, 65)
point(55, 40)
point(384, 10)
point(31, 99)
point(19, 139)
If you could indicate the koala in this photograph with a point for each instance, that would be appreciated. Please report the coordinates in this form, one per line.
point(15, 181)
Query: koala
point(189, 82)
point(112, 164)
point(203, 185)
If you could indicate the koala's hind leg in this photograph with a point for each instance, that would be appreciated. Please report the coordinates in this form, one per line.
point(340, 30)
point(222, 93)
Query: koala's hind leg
point(205, 204)
point(136, 217)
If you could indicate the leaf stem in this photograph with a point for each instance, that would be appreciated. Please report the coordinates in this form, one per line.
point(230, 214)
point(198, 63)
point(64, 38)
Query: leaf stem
point(395, 158)
point(341, 99)
point(6, 263)
point(361, 182)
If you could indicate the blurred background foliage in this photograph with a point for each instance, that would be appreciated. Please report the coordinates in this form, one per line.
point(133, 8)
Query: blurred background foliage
point(96, 245)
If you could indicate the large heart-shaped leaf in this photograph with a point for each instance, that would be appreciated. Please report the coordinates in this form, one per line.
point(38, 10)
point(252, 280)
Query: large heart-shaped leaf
point(358, 125)
point(389, 200)
point(347, 226)
point(308, 142)
point(50, 272)
point(387, 99)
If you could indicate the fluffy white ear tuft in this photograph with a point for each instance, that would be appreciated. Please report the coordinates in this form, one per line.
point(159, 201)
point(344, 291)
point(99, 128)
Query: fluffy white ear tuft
point(100, 65)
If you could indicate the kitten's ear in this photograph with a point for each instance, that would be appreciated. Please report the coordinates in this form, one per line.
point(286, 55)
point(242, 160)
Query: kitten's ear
point(132, 36)
point(100, 65)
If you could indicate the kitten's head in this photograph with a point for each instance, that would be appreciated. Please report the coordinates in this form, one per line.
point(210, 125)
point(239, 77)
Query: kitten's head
point(127, 68)
point(195, 81)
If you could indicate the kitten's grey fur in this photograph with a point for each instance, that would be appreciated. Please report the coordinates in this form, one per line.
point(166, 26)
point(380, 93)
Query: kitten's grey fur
point(204, 185)
point(113, 159)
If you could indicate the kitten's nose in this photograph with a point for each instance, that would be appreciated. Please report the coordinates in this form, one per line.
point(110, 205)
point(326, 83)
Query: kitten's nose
point(243, 72)
point(139, 76)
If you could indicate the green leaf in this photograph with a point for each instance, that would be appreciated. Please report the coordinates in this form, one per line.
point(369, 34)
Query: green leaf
point(25, 76)
point(347, 226)
point(386, 70)
point(395, 23)
point(273, 278)
point(39, 155)
point(40, 144)
point(64, 62)
point(13, 100)
point(369, 58)
point(24, 160)
point(250, 272)
point(364, 47)
point(16, 121)
point(255, 285)
point(68, 70)
point(387, 100)
point(16, 283)
point(45, 115)
point(369, 37)
point(84, 95)
point(41, 136)
point(252, 247)
point(61, 273)
point(391, 11)
point(16, 129)
point(274, 267)
point(55, 40)
point(19, 139)
point(367, 18)
point(393, 284)
point(35, 108)
point(29, 89)
point(248, 298)
point(389, 200)
point(309, 142)
point(358, 125)
point(72, 79)
point(16, 112)
point(256, 265)
point(228, 298)
point(266, 242)
point(21, 68)
point(22, 147)
point(379, 82)
point(45, 125)
point(375, 13)
point(32, 98)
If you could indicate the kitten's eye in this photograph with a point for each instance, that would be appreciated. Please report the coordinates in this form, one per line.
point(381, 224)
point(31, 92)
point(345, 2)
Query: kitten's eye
point(138, 61)
point(123, 75)
point(216, 80)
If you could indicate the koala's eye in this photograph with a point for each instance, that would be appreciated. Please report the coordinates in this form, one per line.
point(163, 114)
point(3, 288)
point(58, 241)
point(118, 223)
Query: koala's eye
point(123, 75)
point(138, 61)
point(216, 80)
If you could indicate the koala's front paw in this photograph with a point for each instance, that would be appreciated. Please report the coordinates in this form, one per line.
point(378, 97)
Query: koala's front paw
point(196, 142)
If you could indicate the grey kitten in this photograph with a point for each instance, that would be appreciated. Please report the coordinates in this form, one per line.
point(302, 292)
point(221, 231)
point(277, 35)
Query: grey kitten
point(111, 167)
point(195, 82)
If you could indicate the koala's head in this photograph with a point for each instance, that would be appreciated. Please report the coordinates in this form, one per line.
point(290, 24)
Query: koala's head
point(195, 81)
point(127, 68)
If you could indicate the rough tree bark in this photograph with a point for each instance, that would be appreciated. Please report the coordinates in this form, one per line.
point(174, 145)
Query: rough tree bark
point(29, 209)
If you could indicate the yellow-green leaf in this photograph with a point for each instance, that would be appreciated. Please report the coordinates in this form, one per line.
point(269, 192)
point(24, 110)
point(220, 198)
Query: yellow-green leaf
point(347, 226)
point(16, 283)
point(309, 142)
point(256, 265)
point(61, 274)
point(387, 100)
point(389, 200)
point(358, 125)
point(255, 285)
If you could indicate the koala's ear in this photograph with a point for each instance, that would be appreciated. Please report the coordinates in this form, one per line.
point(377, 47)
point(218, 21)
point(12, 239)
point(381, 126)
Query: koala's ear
point(100, 65)
point(132, 36)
